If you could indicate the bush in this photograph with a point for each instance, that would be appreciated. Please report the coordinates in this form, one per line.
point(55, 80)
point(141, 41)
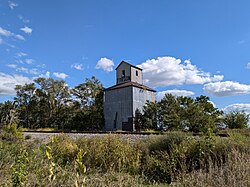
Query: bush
point(11, 133)
point(111, 153)
point(236, 120)
point(63, 148)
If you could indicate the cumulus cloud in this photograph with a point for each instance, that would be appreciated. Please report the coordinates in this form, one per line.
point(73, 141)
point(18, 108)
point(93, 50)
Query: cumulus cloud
point(226, 88)
point(174, 92)
point(9, 82)
point(6, 33)
point(105, 64)
point(166, 71)
point(12, 5)
point(77, 66)
point(60, 75)
point(26, 30)
point(237, 107)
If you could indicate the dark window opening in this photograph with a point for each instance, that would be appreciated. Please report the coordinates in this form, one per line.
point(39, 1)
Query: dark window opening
point(123, 73)
point(136, 73)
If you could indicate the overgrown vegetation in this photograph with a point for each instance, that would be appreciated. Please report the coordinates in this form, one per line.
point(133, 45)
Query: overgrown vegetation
point(173, 159)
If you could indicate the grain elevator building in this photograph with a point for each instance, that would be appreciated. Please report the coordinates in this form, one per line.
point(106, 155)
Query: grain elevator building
point(123, 99)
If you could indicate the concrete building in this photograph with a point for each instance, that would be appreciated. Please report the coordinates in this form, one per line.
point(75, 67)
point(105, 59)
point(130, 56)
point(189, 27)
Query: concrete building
point(123, 99)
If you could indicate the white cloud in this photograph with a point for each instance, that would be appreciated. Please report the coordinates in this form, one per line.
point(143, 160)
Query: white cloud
point(34, 71)
point(226, 88)
point(12, 5)
point(46, 75)
point(26, 30)
point(29, 61)
point(77, 66)
point(105, 64)
point(12, 66)
point(21, 54)
point(19, 37)
point(248, 65)
point(237, 107)
point(6, 33)
point(41, 66)
point(1, 41)
point(60, 75)
point(22, 69)
point(166, 71)
point(174, 92)
point(9, 82)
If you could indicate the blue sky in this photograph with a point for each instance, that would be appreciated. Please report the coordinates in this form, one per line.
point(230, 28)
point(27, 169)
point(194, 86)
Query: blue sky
point(185, 47)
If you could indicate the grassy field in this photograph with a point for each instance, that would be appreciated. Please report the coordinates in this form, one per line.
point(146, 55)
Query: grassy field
point(174, 159)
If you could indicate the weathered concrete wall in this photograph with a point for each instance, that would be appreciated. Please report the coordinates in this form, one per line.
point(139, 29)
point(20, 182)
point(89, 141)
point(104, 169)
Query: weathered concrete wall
point(117, 101)
point(140, 97)
point(124, 102)
point(136, 78)
point(119, 75)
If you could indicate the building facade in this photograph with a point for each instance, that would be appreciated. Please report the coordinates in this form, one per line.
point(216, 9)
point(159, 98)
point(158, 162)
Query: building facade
point(122, 100)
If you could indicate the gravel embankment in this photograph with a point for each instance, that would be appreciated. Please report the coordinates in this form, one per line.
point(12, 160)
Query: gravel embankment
point(45, 137)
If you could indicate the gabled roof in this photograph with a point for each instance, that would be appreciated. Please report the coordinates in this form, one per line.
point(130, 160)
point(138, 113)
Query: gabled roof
point(127, 84)
point(127, 64)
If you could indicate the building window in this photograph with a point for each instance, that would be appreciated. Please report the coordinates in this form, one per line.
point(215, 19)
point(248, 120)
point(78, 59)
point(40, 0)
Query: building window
point(136, 73)
point(123, 73)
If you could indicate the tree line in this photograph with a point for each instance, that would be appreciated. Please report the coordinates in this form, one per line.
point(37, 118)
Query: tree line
point(49, 103)
point(188, 114)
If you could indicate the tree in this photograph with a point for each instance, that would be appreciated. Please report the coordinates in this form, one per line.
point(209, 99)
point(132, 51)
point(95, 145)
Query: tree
point(182, 113)
point(202, 116)
point(89, 99)
point(236, 120)
point(150, 116)
point(53, 96)
point(170, 113)
point(26, 101)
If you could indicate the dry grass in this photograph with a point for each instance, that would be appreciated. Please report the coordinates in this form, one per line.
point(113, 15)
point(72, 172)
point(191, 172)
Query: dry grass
point(234, 173)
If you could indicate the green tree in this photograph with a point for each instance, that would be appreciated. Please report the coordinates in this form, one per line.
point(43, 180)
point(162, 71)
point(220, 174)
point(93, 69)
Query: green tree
point(150, 116)
point(236, 120)
point(170, 113)
point(182, 113)
point(89, 101)
point(25, 100)
point(202, 116)
point(53, 96)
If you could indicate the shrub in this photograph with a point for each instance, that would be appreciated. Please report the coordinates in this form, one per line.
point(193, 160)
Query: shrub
point(63, 149)
point(111, 153)
point(11, 133)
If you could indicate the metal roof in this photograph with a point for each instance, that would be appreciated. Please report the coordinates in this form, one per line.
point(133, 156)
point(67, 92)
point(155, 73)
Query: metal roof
point(127, 84)
point(128, 64)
